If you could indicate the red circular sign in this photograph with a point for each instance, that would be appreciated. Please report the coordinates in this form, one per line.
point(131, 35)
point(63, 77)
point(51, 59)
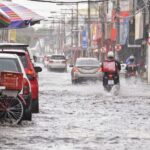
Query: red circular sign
point(118, 47)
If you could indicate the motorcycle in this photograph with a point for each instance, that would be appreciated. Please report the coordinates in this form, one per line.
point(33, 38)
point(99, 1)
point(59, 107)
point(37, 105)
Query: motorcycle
point(11, 102)
point(131, 73)
point(111, 83)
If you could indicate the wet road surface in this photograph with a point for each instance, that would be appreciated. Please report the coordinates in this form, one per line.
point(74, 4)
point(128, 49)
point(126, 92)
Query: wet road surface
point(83, 117)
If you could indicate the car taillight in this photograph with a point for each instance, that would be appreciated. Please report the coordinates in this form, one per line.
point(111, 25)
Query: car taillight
point(75, 69)
point(30, 74)
point(26, 87)
point(110, 76)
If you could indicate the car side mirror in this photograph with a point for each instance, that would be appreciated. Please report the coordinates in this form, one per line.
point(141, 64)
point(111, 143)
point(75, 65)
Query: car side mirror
point(38, 69)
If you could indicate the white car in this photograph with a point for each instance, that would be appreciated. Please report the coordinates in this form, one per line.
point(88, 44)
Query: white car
point(86, 69)
point(57, 61)
point(12, 63)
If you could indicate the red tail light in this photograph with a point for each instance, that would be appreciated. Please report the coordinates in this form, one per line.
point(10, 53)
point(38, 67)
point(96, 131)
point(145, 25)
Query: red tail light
point(75, 69)
point(30, 74)
point(110, 76)
point(26, 87)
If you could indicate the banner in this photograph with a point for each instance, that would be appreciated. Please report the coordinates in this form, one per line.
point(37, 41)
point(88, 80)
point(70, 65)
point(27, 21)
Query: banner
point(84, 39)
point(139, 26)
point(124, 31)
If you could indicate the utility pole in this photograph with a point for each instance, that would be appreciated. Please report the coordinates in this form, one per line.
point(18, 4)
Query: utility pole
point(89, 32)
point(118, 21)
point(77, 27)
point(118, 28)
point(71, 27)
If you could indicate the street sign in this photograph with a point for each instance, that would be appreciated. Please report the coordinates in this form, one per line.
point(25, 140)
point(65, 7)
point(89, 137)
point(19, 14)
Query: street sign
point(118, 47)
point(84, 40)
point(134, 46)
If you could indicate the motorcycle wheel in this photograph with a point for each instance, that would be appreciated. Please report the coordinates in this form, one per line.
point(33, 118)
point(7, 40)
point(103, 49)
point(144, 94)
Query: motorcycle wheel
point(11, 110)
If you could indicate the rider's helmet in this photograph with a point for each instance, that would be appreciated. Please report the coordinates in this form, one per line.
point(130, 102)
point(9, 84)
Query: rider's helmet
point(110, 55)
point(131, 58)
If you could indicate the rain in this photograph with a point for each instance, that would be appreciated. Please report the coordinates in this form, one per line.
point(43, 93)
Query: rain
point(83, 115)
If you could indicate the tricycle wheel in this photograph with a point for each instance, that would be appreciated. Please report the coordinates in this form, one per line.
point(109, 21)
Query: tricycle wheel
point(11, 110)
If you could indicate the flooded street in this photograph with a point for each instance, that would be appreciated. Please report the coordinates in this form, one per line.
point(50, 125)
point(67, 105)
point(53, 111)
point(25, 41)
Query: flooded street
point(83, 117)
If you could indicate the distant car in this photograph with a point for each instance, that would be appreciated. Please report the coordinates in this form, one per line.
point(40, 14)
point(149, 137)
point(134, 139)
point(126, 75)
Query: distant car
point(12, 63)
point(22, 51)
point(58, 62)
point(86, 68)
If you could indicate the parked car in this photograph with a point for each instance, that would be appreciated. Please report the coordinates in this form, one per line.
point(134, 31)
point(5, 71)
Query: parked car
point(22, 51)
point(86, 68)
point(57, 61)
point(12, 63)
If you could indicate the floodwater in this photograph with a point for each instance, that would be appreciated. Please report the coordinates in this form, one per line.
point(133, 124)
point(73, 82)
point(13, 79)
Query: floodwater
point(83, 117)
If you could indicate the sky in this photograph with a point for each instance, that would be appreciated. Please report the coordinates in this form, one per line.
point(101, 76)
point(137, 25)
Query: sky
point(44, 9)
point(39, 7)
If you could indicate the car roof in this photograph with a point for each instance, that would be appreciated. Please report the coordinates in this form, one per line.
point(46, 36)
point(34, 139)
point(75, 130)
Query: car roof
point(12, 50)
point(6, 55)
point(13, 46)
point(87, 58)
point(57, 55)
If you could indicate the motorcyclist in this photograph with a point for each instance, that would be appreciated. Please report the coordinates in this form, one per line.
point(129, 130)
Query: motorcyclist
point(132, 67)
point(110, 66)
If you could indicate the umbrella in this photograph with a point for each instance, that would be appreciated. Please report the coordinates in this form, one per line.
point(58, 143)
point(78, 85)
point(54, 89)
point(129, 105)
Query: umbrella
point(13, 16)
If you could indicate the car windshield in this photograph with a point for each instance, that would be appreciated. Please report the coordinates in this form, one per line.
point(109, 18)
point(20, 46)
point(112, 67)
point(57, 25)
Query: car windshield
point(87, 62)
point(57, 57)
point(9, 64)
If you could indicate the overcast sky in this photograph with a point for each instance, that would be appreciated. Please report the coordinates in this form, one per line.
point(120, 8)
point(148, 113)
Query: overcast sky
point(39, 7)
point(43, 8)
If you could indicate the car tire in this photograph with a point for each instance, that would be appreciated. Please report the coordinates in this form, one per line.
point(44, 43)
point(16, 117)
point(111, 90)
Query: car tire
point(74, 81)
point(27, 114)
point(35, 106)
point(28, 110)
point(65, 70)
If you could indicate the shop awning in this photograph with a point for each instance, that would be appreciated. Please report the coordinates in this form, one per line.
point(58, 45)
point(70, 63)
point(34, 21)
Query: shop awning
point(13, 16)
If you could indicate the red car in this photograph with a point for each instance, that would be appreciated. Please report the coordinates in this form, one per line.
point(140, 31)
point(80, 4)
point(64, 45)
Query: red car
point(22, 51)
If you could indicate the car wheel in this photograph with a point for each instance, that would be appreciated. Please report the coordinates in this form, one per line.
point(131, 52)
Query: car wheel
point(65, 70)
point(35, 106)
point(27, 114)
point(74, 81)
point(28, 110)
